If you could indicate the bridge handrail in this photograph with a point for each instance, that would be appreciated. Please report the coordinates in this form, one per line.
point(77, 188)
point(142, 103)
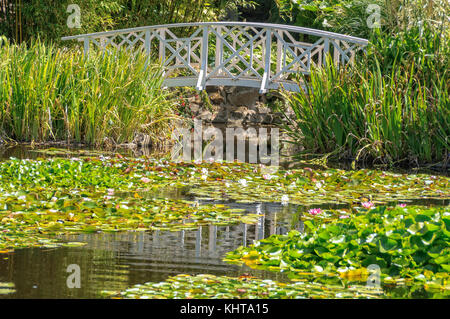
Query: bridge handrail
point(243, 52)
point(296, 29)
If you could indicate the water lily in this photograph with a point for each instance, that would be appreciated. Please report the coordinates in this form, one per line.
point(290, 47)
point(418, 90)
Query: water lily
point(368, 205)
point(344, 216)
point(402, 205)
point(110, 191)
point(284, 200)
point(315, 211)
point(268, 176)
point(204, 171)
point(243, 182)
point(204, 177)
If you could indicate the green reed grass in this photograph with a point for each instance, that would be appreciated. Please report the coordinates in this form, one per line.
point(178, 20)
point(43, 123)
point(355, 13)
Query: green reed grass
point(392, 106)
point(47, 93)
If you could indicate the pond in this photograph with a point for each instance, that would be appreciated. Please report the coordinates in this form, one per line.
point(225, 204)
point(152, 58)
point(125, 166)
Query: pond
point(114, 261)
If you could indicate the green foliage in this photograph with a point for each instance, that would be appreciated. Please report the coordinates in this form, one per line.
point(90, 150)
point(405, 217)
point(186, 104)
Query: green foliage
point(391, 106)
point(355, 17)
point(29, 19)
point(410, 242)
point(49, 93)
point(47, 19)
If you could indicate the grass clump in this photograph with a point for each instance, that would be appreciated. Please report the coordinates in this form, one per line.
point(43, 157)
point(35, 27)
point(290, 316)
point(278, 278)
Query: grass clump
point(48, 93)
point(390, 107)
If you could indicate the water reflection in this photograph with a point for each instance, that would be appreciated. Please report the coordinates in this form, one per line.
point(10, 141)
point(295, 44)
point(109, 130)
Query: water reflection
point(119, 260)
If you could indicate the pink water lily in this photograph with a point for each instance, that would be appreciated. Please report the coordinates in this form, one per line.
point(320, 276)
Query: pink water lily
point(145, 180)
point(344, 216)
point(402, 205)
point(315, 211)
point(368, 205)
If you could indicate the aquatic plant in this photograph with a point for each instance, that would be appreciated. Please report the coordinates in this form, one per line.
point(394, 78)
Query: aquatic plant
point(225, 180)
point(406, 243)
point(244, 287)
point(45, 197)
point(33, 218)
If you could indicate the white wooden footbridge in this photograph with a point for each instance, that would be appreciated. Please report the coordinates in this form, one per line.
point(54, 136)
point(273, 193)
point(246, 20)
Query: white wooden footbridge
point(258, 55)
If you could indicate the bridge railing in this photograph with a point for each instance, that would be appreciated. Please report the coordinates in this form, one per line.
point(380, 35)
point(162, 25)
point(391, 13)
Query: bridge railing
point(259, 55)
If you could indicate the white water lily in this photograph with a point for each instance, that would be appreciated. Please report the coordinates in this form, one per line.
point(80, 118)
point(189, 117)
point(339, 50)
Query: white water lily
point(204, 171)
point(243, 182)
point(370, 238)
point(227, 184)
point(204, 177)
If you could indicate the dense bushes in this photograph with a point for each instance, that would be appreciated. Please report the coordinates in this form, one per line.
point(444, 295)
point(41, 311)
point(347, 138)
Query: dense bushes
point(357, 17)
point(23, 20)
point(52, 94)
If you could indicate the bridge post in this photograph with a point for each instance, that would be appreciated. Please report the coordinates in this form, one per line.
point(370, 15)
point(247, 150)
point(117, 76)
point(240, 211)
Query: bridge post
point(147, 42)
point(219, 50)
point(326, 49)
point(204, 57)
point(86, 45)
point(279, 51)
point(162, 45)
point(268, 52)
point(162, 48)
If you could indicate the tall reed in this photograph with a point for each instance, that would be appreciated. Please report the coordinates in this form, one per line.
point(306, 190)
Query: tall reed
point(47, 93)
point(392, 106)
